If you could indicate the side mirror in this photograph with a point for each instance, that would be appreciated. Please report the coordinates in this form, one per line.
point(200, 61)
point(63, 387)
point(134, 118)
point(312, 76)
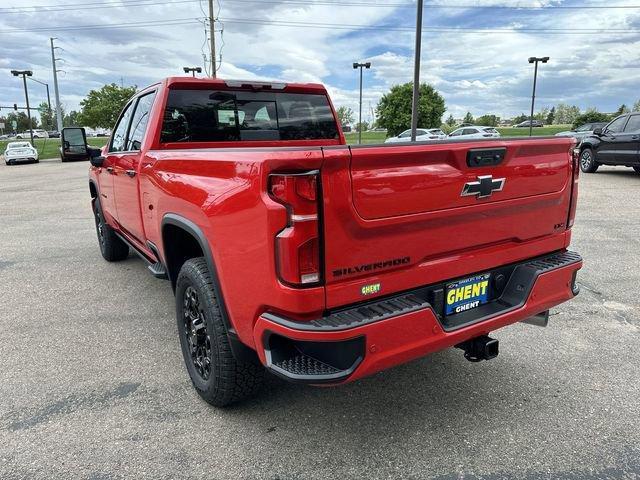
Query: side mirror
point(74, 144)
point(95, 157)
point(598, 132)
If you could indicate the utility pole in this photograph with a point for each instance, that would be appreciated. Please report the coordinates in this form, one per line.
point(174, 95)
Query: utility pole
point(213, 40)
point(416, 73)
point(25, 74)
point(359, 126)
point(55, 86)
point(535, 80)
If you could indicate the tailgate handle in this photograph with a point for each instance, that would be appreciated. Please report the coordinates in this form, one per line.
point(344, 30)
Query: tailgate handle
point(485, 157)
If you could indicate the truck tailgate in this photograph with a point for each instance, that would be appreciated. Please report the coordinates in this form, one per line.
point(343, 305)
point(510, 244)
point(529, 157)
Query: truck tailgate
point(398, 217)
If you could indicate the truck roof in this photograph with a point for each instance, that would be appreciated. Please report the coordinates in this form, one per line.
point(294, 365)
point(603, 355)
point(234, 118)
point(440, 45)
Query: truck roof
point(223, 84)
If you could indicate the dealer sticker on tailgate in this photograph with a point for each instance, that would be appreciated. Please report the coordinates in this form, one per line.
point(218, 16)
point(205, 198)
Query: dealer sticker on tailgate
point(466, 294)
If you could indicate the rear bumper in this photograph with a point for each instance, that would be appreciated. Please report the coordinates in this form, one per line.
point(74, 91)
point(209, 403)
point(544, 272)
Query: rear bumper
point(359, 341)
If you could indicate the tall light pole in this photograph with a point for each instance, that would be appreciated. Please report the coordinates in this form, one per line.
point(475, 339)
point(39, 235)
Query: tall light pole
point(192, 70)
point(416, 72)
point(55, 85)
point(47, 86)
point(355, 67)
point(25, 74)
point(534, 60)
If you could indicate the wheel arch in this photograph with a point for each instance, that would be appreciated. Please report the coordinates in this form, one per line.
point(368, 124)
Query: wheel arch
point(182, 239)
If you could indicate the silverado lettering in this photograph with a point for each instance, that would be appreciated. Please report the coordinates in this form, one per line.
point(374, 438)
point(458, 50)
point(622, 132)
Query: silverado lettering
point(245, 196)
point(369, 267)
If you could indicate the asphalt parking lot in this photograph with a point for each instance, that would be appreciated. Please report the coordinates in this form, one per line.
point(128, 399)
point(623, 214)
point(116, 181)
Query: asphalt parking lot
point(92, 382)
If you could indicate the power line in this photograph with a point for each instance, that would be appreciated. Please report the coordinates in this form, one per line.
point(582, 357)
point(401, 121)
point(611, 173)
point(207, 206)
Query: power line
point(333, 26)
point(344, 26)
point(346, 3)
point(149, 23)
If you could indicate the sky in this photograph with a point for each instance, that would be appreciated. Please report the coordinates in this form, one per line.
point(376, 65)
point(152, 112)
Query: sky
point(474, 52)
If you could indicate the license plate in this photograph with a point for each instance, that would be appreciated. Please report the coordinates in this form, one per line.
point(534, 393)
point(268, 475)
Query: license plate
point(467, 294)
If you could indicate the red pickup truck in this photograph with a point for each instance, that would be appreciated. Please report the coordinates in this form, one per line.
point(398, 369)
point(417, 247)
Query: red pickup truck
point(291, 252)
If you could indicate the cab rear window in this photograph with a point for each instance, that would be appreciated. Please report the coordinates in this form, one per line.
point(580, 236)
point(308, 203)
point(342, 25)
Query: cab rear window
point(228, 116)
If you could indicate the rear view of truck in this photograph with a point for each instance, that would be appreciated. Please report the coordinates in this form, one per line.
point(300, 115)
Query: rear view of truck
point(424, 247)
point(323, 263)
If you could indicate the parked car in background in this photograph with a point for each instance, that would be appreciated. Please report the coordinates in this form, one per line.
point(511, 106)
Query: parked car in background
point(20, 152)
point(475, 132)
point(618, 143)
point(37, 133)
point(422, 134)
point(582, 131)
point(54, 134)
point(528, 123)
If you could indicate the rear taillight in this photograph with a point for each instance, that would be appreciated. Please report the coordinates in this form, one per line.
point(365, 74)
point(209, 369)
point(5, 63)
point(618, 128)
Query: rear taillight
point(575, 168)
point(298, 245)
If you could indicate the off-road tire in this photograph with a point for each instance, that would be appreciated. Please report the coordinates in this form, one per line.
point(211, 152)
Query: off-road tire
point(588, 162)
point(113, 249)
point(228, 380)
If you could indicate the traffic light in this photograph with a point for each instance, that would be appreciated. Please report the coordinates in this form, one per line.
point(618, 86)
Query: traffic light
point(15, 107)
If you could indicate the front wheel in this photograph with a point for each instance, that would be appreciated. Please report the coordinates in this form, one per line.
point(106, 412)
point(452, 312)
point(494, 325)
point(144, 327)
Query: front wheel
point(588, 162)
point(217, 376)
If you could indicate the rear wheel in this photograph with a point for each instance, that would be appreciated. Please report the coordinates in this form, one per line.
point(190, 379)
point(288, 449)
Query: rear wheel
point(112, 247)
point(217, 376)
point(588, 162)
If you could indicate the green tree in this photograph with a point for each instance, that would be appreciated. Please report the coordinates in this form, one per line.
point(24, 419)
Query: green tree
point(451, 122)
point(22, 121)
point(488, 120)
point(71, 119)
point(520, 118)
point(345, 115)
point(566, 114)
point(394, 108)
point(590, 116)
point(47, 120)
point(636, 106)
point(621, 110)
point(551, 116)
point(101, 108)
point(468, 118)
point(364, 126)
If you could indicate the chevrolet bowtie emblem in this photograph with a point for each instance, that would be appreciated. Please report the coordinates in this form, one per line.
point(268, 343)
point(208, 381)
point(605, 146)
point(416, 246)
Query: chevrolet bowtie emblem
point(483, 187)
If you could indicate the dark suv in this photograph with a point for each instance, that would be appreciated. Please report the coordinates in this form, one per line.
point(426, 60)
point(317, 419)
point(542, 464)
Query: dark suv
point(616, 144)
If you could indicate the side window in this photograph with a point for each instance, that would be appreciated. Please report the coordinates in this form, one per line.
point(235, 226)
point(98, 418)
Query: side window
point(120, 132)
point(420, 132)
point(469, 131)
point(405, 134)
point(140, 121)
point(457, 133)
point(633, 125)
point(617, 125)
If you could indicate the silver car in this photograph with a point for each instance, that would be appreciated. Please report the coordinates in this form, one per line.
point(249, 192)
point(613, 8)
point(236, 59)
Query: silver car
point(422, 135)
point(475, 132)
point(582, 131)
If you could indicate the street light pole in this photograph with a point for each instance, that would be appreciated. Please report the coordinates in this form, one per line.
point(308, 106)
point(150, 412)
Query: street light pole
point(25, 74)
point(416, 72)
point(192, 70)
point(47, 87)
point(535, 61)
point(359, 126)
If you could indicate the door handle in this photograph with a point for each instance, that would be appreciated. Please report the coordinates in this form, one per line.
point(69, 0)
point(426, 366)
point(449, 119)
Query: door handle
point(635, 137)
point(131, 173)
point(110, 169)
